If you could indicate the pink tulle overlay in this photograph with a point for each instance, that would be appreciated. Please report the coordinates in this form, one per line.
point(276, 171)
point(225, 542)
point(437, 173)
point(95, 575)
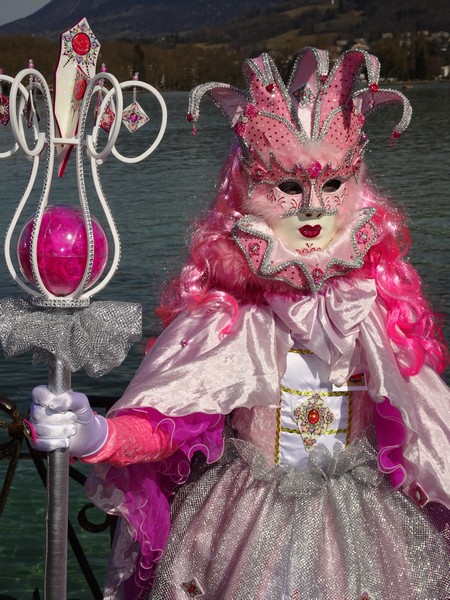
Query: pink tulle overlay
point(148, 487)
point(391, 435)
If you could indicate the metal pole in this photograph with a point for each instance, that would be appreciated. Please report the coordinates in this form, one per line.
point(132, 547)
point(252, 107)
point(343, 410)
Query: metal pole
point(59, 381)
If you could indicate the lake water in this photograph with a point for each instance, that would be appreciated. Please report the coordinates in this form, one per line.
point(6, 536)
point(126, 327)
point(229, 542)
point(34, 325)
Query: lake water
point(154, 204)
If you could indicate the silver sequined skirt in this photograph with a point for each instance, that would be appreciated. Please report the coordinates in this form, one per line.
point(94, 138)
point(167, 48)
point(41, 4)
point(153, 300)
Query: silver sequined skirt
point(246, 531)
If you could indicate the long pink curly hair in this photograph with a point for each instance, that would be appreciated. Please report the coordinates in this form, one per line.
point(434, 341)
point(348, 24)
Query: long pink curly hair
point(216, 273)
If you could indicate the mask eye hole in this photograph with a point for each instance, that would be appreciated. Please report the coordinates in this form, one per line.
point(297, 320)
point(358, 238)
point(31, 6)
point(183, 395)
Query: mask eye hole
point(291, 187)
point(332, 185)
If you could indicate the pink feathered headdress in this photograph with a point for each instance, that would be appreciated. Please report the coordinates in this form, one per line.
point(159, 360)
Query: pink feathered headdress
point(272, 120)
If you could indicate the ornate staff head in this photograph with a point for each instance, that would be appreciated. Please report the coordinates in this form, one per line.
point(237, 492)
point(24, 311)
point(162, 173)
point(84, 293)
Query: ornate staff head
point(63, 250)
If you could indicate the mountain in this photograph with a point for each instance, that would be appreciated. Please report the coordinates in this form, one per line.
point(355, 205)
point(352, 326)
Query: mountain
point(174, 44)
point(132, 19)
point(146, 20)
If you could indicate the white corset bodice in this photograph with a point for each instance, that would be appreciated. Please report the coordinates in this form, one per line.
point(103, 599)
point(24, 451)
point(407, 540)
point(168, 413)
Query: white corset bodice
point(311, 411)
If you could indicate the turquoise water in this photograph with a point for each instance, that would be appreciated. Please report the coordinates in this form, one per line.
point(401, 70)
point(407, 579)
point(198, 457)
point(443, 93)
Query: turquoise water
point(153, 204)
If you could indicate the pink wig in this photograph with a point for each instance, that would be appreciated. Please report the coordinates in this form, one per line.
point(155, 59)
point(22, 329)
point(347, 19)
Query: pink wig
point(217, 274)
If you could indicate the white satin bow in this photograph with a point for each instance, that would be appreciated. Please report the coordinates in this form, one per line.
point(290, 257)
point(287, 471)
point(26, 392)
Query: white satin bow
point(328, 323)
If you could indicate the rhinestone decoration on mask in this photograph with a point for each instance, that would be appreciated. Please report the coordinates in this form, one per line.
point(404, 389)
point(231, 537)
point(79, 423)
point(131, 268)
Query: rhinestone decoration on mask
point(308, 131)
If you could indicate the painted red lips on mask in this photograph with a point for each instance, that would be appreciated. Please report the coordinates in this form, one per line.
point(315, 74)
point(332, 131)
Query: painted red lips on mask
point(310, 231)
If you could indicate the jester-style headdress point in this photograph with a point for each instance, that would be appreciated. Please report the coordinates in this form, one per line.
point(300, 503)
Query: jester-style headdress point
point(318, 105)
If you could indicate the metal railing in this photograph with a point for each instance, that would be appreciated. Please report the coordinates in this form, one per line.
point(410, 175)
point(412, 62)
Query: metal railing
point(16, 448)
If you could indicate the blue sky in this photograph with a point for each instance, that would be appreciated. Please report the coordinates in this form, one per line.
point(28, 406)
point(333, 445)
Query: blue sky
point(10, 10)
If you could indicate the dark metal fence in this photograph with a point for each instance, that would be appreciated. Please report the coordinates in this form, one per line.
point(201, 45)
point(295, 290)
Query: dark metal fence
point(17, 447)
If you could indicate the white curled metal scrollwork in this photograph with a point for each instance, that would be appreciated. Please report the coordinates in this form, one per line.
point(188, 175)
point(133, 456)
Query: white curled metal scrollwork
point(29, 89)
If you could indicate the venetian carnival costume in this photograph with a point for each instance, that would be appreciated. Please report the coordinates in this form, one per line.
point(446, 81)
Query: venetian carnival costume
point(292, 402)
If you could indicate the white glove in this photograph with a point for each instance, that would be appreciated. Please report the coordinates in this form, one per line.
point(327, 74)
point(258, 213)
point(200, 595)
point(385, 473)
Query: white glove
point(66, 421)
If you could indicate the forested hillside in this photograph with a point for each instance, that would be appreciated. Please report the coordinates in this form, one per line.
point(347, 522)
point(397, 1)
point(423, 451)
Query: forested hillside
point(176, 48)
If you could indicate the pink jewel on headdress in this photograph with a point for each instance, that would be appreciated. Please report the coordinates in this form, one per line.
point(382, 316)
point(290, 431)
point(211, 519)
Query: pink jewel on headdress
point(239, 129)
point(374, 87)
point(303, 95)
point(249, 113)
point(394, 136)
point(81, 43)
point(270, 87)
point(314, 169)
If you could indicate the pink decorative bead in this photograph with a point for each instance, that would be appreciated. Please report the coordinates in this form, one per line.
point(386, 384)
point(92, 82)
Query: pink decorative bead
point(374, 87)
point(394, 136)
point(62, 250)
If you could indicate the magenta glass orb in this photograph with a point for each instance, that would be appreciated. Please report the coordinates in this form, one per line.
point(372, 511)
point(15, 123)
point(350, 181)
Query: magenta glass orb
point(62, 250)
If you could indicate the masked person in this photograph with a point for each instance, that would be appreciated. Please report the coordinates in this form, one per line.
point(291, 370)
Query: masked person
point(292, 400)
